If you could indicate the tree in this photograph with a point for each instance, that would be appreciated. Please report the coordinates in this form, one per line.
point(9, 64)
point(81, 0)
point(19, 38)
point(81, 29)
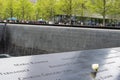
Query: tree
point(66, 7)
point(25, 9)
point(115, 10)
point(80, 7)
point(101, 7)
point(10, 8)
point(2, 10)
point(45, 9)
point(50, 9)
point(72, 7)
point(38, 9)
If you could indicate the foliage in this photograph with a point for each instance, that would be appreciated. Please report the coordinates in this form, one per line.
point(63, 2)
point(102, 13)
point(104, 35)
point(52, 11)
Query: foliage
point(101, 7)
point(47, 9)
point(114, 12)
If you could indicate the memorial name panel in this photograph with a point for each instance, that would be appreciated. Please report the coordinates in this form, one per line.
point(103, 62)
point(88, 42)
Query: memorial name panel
point(63, 66)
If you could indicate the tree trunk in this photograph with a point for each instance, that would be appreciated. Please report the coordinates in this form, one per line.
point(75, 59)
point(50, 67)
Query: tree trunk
point(23, 13)
point(104, 12)
point(70, 12)
point(11, 13)
point(104, 23)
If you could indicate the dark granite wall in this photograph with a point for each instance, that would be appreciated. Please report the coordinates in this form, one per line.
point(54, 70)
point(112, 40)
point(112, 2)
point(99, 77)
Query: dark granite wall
point(31, 39)
point(1, 38)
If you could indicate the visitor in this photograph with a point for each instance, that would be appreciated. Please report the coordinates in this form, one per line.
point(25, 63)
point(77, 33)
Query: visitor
point(5, 21)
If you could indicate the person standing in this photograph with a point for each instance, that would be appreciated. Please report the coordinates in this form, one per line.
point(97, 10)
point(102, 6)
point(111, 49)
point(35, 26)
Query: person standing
point(5, 21)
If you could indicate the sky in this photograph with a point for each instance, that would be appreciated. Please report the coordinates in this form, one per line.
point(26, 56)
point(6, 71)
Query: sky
point(33, 0)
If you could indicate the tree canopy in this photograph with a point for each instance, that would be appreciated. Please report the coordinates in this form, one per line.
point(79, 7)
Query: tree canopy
point(47, 9)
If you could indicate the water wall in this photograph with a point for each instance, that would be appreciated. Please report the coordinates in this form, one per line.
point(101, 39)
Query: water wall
point(20, 40)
